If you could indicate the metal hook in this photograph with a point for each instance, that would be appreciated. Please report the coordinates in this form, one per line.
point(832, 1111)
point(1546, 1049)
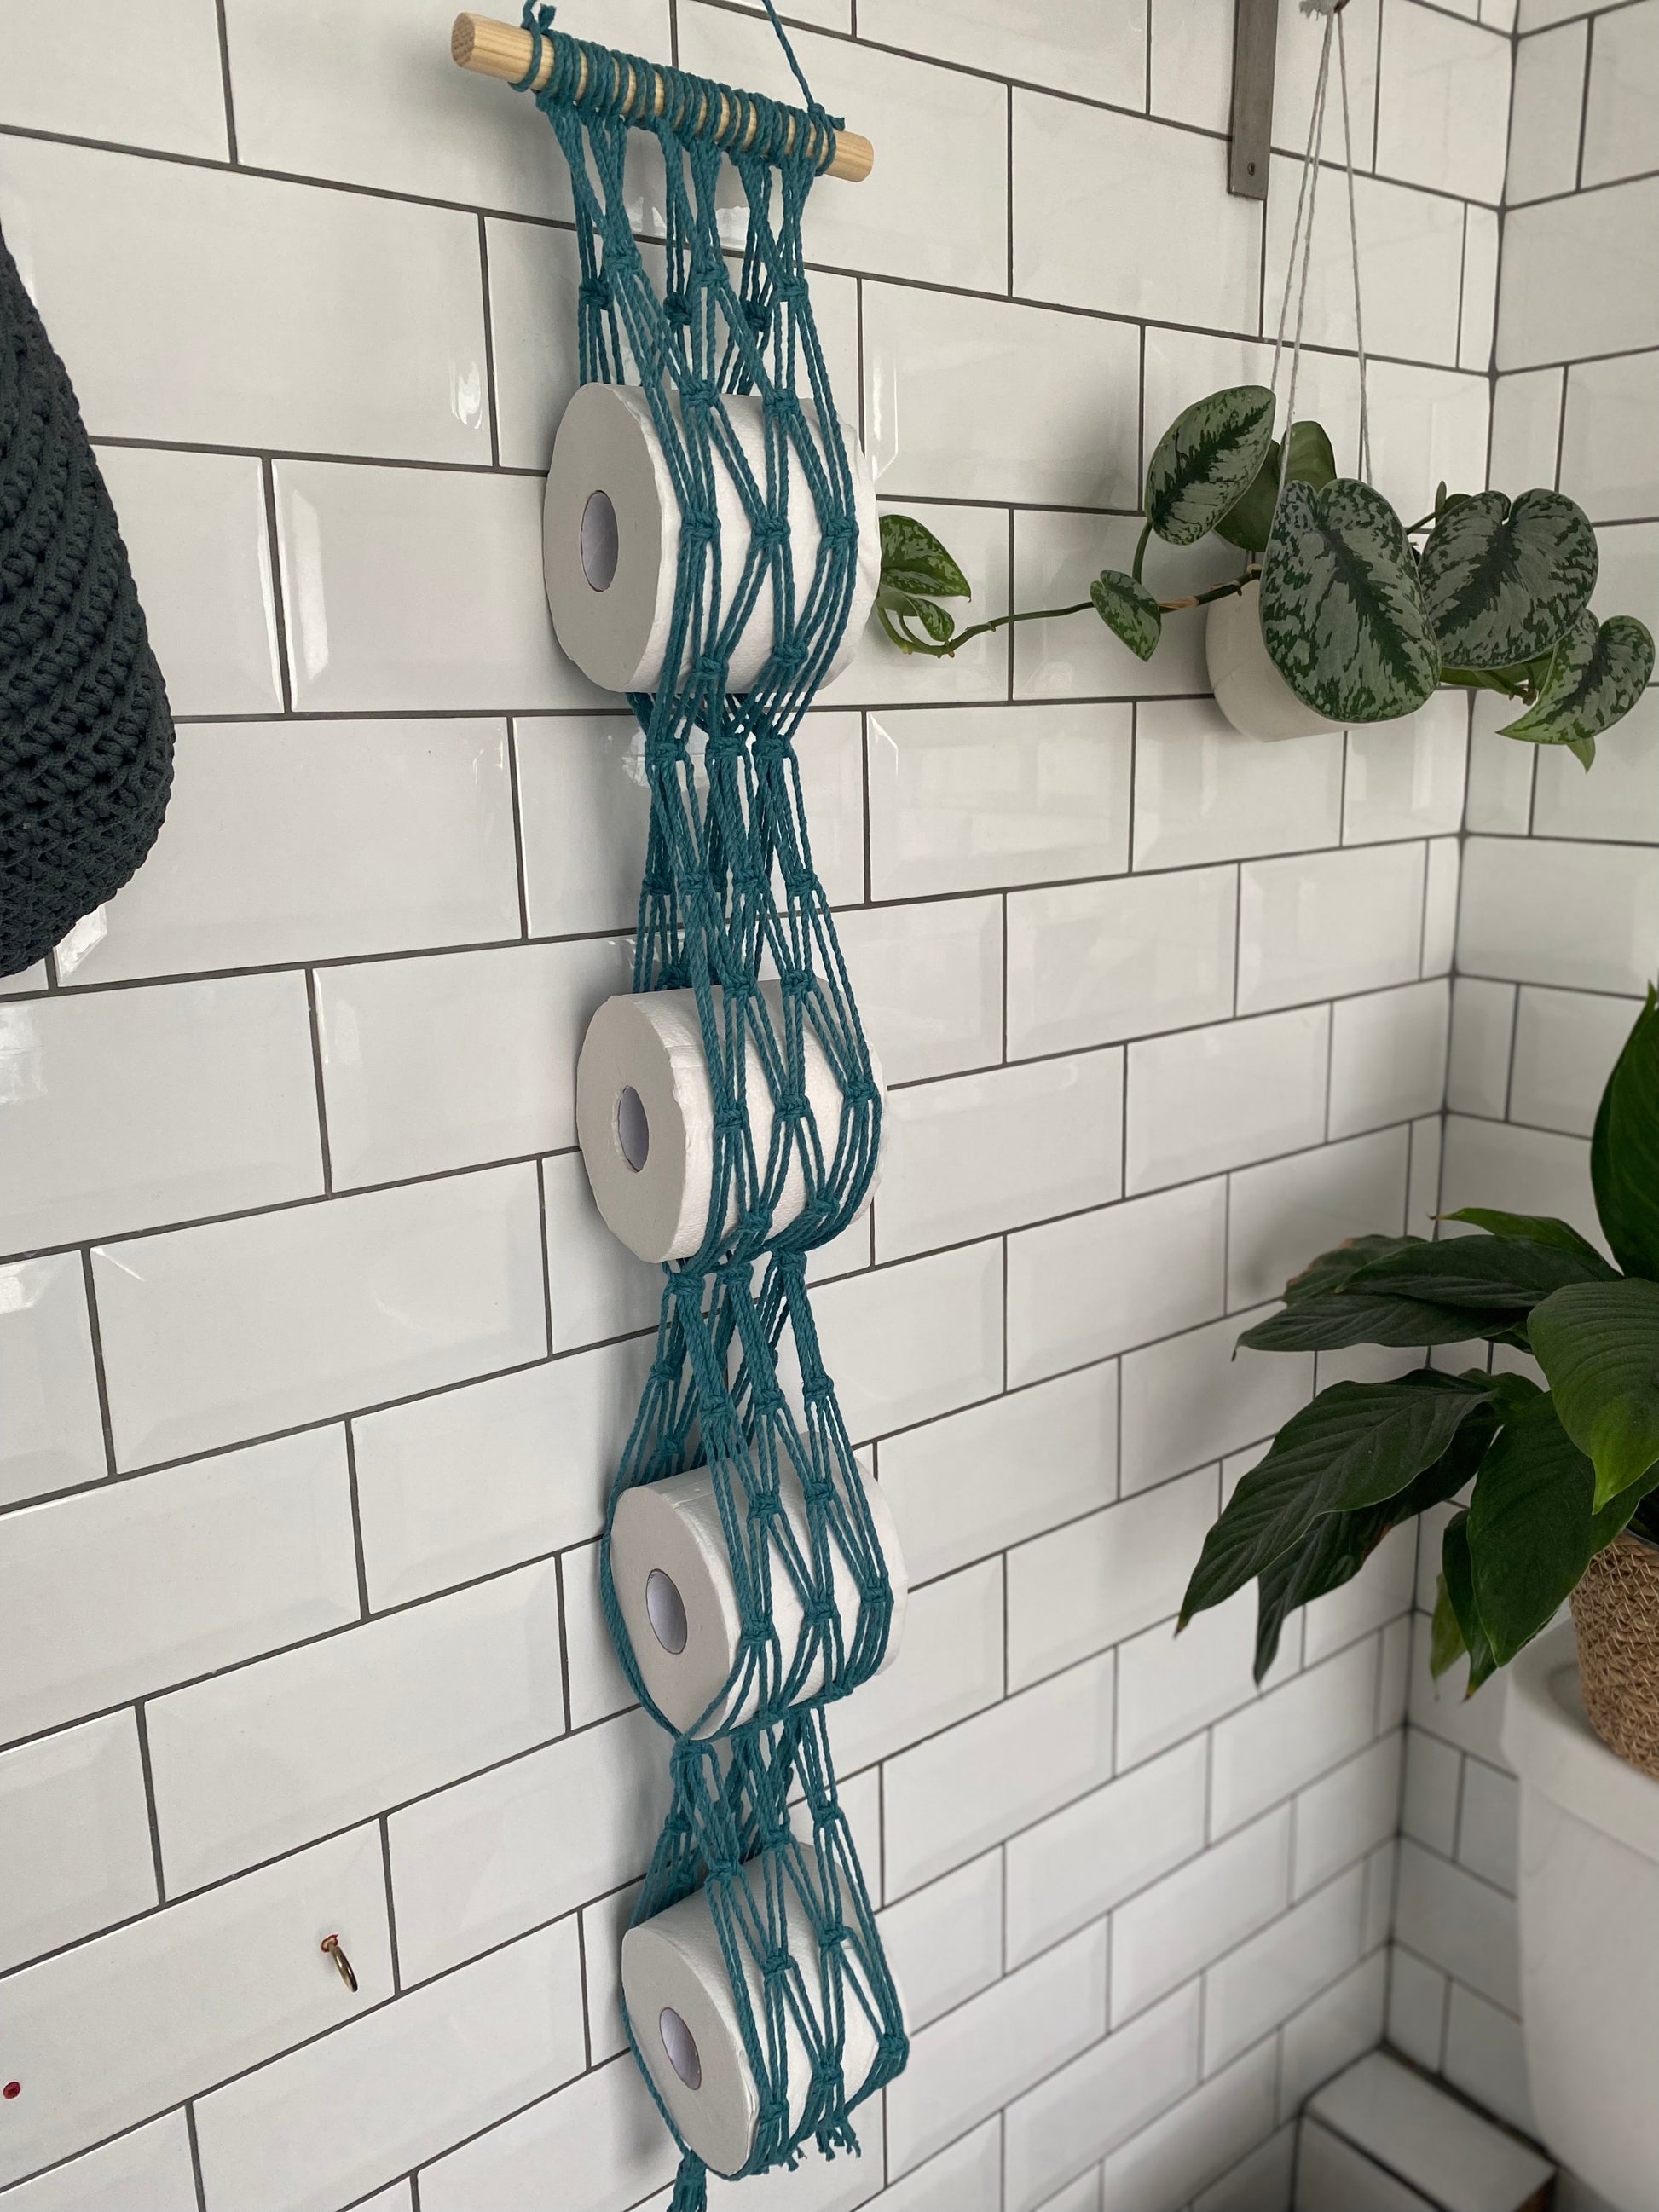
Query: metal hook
point(330, 1944)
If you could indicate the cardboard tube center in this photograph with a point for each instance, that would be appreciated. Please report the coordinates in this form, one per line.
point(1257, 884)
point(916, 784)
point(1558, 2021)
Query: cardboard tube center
point(599, 543)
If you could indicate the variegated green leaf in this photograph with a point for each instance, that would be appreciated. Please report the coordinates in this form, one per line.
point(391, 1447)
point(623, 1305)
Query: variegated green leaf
point(1207, 460)
point(1342, 611)
point(1249, 524)
point(1601, 671)
point(913, 560)
point(1129, 609)
point(1504, 583)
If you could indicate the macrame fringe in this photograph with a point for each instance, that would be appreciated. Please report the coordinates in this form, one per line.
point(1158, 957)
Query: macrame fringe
point(690, 2185)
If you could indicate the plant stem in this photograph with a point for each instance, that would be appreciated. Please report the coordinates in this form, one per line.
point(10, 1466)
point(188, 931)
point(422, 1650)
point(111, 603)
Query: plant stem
point(1140, 551)
point(907, 644)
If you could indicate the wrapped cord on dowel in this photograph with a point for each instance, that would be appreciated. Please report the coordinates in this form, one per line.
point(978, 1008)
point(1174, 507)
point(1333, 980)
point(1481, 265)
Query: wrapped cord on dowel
point(730, 895)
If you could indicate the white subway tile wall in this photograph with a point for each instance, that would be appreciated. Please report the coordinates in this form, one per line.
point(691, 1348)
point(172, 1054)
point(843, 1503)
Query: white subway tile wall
point(315, 1360)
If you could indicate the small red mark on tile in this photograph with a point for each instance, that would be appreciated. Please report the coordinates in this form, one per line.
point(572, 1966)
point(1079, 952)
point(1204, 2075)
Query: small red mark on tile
point(12, 2089)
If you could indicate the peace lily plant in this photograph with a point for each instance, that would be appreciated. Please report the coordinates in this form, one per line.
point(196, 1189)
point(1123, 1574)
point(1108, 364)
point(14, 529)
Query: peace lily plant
point(1559, 1473)
point(1361, 621)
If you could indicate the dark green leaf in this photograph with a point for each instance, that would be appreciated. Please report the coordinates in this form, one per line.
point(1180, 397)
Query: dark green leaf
point(1331, 1269)
point(1494, 1274)
point(1357, 1443)
point(1457, 1587)
point(1342, 612)
point(1129, 609)
point(1628, 1508)
point(1207, 460)
point(1533, 1229)
point(1250, 523)
point(1625, 1150)
point(913, 560)
point(1504, 583)
point(1343, 1318)
point(1529, 1532)
point(1446, 1645)
point(938, 624)
point(1599, 1344)
point(1601, 671)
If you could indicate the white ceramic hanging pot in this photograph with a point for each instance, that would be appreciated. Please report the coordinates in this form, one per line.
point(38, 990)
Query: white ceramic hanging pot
point(1248, 689)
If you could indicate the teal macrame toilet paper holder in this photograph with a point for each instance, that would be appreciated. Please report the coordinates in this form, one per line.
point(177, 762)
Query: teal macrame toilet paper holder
point(758, 1999)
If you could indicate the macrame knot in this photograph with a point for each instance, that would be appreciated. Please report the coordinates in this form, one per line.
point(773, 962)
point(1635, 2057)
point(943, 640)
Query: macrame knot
point(538, 19)
point(678, 309)
point(758, 315)
point(594, 292)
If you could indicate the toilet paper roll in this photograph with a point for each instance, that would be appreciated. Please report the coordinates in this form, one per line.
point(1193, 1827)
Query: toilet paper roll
point(645, 1120)
point(672, 1575)
point(611, 537)
point(684, 2018)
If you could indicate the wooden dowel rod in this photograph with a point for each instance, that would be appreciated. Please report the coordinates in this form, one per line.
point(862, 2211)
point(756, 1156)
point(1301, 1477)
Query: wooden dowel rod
point(504, 50)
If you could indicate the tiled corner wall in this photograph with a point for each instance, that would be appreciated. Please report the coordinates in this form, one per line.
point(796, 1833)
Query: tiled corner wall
point(1559, 930)
point(314, 1360)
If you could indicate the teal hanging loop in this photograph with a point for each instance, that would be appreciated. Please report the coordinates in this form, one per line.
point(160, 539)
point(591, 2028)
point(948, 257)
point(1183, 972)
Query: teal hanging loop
point(538, 19)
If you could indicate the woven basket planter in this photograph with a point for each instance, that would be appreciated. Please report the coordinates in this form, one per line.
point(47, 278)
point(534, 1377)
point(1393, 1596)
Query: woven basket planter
point(1615, 1610)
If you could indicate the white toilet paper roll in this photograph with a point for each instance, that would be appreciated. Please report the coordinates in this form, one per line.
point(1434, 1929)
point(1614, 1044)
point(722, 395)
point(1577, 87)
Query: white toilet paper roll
point(645, 1120)
point(685, 2020)
point(610, 536)
point(672, 1575)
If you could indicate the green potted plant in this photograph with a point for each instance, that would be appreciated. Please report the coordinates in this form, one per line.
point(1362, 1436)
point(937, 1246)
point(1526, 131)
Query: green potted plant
point(1338, 615)
point(1561, 1483)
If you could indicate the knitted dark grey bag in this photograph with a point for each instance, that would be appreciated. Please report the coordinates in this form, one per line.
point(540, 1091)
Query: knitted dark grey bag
point(86, 737)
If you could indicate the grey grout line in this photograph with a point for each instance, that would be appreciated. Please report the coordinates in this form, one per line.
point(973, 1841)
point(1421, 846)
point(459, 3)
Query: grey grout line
point(224, 28)
point(141, 1728)
point(90, 1292)
point(274, 553)
point(195, 2154)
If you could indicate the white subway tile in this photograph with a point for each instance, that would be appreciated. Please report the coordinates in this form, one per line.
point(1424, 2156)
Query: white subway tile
point(1501, 772)
point(1630, 563)
point(1406, 779)
point(1057, 557)
point(597, 2144)
point(1621, 802)
point(1417, 2009)
point(1097, 1580)
point(583, 810)
point(330, 2121)
point(983, 399)
point(945, 1942)
point(1430, 425)
point(1526, 438)
point(988, 2049)
point(1291, 1736)
point(425, 1525)
point(1481, 1043)
point(1064, 44)
point(818, 2184)
point(1440, 904)
point(288, 842)
point(1325, 923)
point(944, 132)
point(1433, 1780)
point(1478, 317)
point(1605, 464)
point(1166, 2163)
point(598, 1686)
point(1388, 1057)
point(829, 750)
point(1191, 74)
point(1081, 1862)
point(1170, 1685)
point(129, 1587)
point(457, 1058)
point(1259, 2183)
point(1380, 1592)
point(1091, 964)
point(497, 1856)
point(966, 798)
point(1330, 2170)
point(1188, 252)
point(596, 1287)
point(1618, 114)
point(1332, 2032)
point(1519, 1171)
point(1546, 116)
point(372, 107)
point(1165, 1935)
point(116, 2030)
point(1267, 1979)
point(908, 1342)
point(1194, 1397)
point(1101, 2098)
point(168, 95)
point(417, 589)
point(947, 1799)
point(1518, 898)
point(1488, 1830)
point(1441, 1708)
point(216, 1108)
point(195, 530)
point(985, 1152)
point(1296, 66)
point(1566, 1044)
point(1579, 277)
point(1285, 1214)
point(52, 1437)
point(928, 981)
point(949, 1664)
point(1423, 1190)
point(1445, 1914)
point(603, 1925)
point(1443, 108)
point(1080, 1289)
point(252, 311)
point(1486, 2058)
point(150, 2166)
point(214, 1334)
point(74, 1836)
point(1411, 248)
point(1223, 1096)
point(966, 2178)
point(250, 1763)
point(1346, 1813)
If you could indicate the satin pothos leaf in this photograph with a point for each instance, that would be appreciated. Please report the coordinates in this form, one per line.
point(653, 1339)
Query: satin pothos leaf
point(1505, 583)
point(1128, 610)
point(914, 561)
point(1600, 672)
point(1310, 461)
point(1343, 614)
point(1207, 460)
